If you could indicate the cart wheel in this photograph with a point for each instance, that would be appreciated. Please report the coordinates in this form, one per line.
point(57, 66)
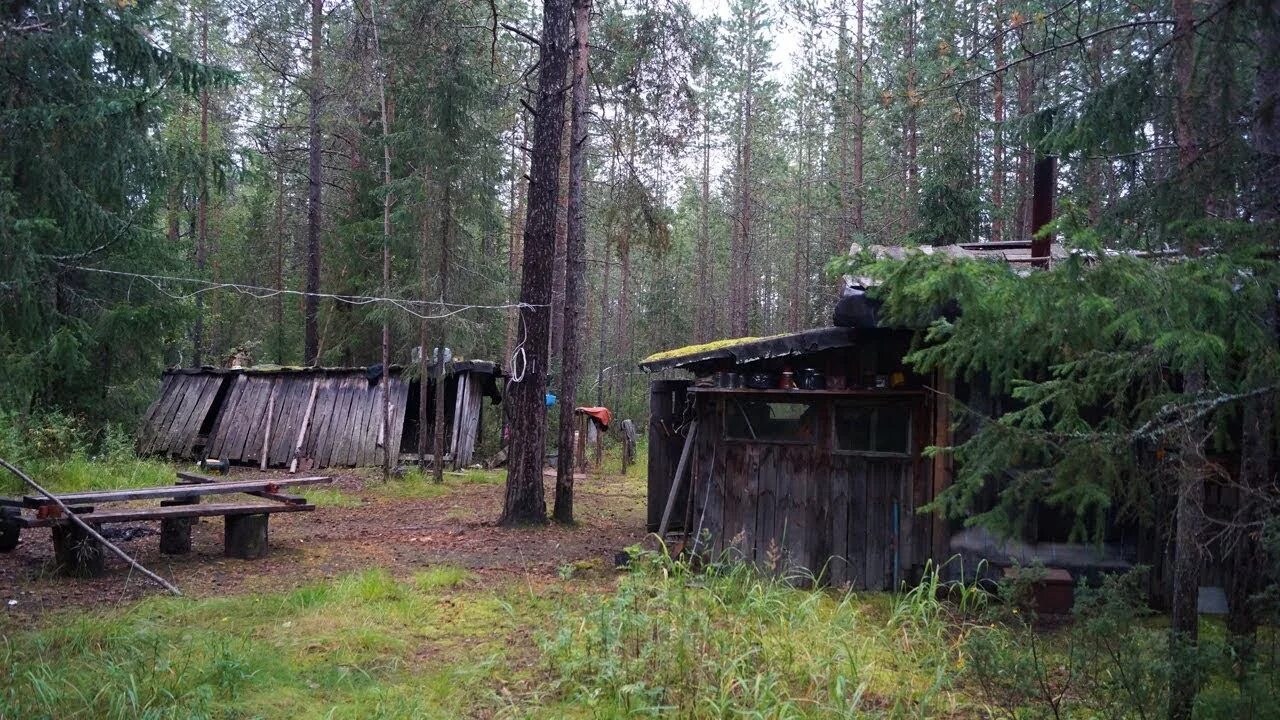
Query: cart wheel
point(9, 529)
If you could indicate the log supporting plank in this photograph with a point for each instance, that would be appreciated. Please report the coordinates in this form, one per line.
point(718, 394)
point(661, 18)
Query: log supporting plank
point(10, 529)
point(176, 491)
point(76, 553)
point(245, 536)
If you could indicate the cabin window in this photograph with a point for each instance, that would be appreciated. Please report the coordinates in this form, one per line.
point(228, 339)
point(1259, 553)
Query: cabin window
point(771, 422)
point(863, 429)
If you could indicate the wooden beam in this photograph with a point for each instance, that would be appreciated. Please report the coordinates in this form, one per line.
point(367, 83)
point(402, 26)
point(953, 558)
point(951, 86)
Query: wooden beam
point(176, 511)
point(266, 433)
point(941, 540)
point(306, 420)
point(675, 482)
point(176, 491)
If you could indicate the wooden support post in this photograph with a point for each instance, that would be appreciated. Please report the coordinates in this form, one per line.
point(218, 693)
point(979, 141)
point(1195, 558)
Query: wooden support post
point(599, 460)
point(675, 482)
point(246, 536)
point(175, 536)
point(306, 420)
point(76, 552)
point(175, 533)
point(10, 529)
point(941, 540)
point(580, 450)
point(266, 434)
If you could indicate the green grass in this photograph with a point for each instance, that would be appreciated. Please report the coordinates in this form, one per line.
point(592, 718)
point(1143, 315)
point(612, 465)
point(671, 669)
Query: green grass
point(666, 641)
point(79, 473)
point(363, 646)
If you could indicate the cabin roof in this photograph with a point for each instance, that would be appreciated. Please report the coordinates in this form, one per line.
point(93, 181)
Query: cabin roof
point(749, 349)
point(484, 367)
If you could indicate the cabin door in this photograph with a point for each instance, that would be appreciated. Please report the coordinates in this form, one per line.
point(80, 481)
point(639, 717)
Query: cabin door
point(873, 510)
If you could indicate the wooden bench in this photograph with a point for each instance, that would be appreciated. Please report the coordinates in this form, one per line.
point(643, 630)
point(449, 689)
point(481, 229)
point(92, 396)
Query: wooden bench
point(78, 553)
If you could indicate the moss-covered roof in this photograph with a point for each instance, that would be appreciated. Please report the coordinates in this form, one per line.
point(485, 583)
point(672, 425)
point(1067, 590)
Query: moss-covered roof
point(704, 348)
point(748, 349)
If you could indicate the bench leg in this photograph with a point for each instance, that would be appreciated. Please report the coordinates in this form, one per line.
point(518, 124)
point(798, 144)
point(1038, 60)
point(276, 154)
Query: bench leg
point(175, 536)
point(175, 533)
point(246, 536)
point(76, 553)
point(10, 530)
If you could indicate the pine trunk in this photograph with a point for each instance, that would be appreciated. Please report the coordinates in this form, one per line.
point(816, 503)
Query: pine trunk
point(519, 188)
point(442, 283)
point(425, 433)
point(386, 250)
point(703, 320)
point(997, 152)
point(1189, 518)
point(576, 268)
point(560, 259)
point(315, 179)
point(860, 126)
point(202, 201)
point(524, 501)
point(277, 308)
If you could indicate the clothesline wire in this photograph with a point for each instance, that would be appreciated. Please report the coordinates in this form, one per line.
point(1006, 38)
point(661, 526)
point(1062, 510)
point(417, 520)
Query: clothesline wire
point(263, 293)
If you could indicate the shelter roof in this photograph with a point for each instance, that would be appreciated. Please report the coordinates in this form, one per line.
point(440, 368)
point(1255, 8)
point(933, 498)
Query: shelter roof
point(456, 366)
point(748, 349)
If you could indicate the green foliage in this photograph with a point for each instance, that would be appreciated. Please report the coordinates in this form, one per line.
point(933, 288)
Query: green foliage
point(80, 176)
point(1092, 354)
point(1111, 661)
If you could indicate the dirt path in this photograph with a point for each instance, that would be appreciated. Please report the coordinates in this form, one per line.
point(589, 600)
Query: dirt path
point(402, 535)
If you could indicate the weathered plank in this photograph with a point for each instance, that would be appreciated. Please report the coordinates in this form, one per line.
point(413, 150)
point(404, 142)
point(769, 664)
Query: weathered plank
point(147, 428)
point(174, 491)
point(180, 511)
point(223, 425)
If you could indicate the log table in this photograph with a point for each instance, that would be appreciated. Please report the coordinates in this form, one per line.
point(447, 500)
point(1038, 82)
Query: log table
point(77, 553)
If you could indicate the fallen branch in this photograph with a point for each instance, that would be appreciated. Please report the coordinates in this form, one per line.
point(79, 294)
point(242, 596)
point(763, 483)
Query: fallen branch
point(89, 529)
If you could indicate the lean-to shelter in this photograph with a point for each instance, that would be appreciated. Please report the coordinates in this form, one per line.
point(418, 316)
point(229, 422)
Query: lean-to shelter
point(320, 417)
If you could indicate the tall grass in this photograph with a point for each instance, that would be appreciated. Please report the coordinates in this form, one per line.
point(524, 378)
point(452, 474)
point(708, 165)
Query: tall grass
point(734, 643)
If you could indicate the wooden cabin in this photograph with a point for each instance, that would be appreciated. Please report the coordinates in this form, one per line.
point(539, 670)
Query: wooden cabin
point(824, 479)
point(310, 417)
point(813, 478)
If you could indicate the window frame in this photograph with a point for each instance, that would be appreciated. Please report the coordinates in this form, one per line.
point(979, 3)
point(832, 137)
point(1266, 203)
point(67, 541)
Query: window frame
point(734, 404)
point(875, 408)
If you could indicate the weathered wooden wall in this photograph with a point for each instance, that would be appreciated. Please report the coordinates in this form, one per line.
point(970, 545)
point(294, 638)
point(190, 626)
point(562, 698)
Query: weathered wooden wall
point(172, 424)
point(804, 512)
point(343, 427)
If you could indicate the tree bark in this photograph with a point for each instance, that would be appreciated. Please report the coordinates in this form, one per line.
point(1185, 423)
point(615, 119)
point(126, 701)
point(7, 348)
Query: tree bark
point(425, 433)
point(997, 153)
point(442, 280)
point(559, 261)
point(525, 501)
point(703, 314)
point(277, 306)
point(315, 180)
point(519, 188)
point(386, 247)
point(576, 268)
point(911, 132)
point(202, 201)
point(860, 126)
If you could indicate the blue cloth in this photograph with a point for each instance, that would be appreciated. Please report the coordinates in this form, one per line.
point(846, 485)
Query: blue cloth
point(551, 399)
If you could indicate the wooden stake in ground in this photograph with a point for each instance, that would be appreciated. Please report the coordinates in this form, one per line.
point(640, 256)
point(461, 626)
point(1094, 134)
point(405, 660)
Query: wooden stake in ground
point(89, 529)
